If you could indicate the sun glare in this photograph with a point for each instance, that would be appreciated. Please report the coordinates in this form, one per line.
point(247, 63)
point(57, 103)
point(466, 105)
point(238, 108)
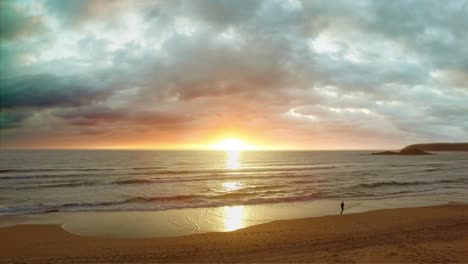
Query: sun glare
point(233, 159)
point(234, 216)
point(233, 148)
point(232, 144)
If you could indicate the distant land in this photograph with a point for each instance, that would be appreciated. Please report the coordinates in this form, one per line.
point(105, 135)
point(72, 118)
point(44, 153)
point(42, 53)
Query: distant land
point(421, 149)
point(439, 146)
point(411, 151)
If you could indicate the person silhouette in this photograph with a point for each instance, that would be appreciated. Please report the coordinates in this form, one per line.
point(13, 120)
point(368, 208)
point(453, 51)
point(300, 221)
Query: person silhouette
point(342, 207)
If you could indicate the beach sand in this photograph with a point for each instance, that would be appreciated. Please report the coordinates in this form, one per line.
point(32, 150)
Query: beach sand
point(426, 234)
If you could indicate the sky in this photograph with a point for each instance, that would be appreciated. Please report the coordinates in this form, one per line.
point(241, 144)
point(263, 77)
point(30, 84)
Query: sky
point(277, 74)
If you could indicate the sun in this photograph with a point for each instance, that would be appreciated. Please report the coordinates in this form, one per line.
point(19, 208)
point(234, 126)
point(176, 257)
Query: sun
point(232, 144)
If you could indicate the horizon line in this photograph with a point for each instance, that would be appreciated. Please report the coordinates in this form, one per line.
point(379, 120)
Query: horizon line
point(193, 149)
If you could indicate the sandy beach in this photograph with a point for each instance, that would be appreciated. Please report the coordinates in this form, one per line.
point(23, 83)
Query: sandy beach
point(427, 234)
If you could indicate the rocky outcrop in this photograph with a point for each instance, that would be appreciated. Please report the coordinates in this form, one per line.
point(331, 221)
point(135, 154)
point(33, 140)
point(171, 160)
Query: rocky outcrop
point(414, 151)
point(420, 149)
point(439, 147)
point(386, 153)
point(411, 151)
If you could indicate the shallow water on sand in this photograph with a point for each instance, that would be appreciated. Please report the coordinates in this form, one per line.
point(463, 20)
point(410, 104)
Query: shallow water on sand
point(181, 222)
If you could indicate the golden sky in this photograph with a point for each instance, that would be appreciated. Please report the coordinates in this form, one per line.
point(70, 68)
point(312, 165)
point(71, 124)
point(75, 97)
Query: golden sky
point(272, 74)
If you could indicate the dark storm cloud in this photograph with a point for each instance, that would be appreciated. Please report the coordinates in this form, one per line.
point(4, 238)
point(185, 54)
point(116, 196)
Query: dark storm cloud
point(44, 91)
point(95, 115)
point(22, 96)
point(12, 119)
point(15, 22)
point(394, 70)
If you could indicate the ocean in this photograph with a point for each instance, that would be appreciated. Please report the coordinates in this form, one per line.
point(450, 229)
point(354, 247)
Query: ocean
point(40, 181)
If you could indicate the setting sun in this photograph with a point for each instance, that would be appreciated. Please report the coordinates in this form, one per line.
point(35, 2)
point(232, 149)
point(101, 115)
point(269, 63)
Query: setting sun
point(196, 118)
point(232, 144)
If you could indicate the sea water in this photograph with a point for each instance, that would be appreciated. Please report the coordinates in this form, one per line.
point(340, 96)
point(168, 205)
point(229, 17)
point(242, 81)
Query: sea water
point(40, 181)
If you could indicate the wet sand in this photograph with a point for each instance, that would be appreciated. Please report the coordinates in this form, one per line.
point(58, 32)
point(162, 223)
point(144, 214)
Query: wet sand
point(427, 234)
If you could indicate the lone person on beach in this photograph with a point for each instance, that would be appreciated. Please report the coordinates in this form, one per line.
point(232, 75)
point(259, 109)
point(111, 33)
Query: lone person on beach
point(342, 207)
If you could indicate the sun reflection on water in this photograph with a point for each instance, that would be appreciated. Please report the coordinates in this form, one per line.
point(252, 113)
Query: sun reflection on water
point(234, 216)
point(232, 186)
point(232, 161)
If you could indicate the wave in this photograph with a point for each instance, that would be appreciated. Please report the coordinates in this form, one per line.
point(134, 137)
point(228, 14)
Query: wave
point(45, 176)
point(57, 170)
point(57, 185)
point(304, 179)
point(214, 177)
point(353, 195)
point(298, 180)
point(70, 175)
point(309, 181)
point(134, 181)
point(403, 183)
point(418, 165)
point(157, 172)
point(74, 180)
point(432, 169)
point(263, 187)
point(151, 203)
point(78, 170)
point(149, 168)
point(163, 198)
point(240, 197)
point(224, 196)
point(246, 170)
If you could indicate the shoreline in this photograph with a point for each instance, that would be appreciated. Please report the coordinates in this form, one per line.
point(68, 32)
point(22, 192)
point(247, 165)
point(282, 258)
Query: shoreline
point(421, 234)
point(187, 221)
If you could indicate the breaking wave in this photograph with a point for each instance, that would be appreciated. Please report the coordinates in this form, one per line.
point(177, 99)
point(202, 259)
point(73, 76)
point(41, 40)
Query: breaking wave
point(404, 183)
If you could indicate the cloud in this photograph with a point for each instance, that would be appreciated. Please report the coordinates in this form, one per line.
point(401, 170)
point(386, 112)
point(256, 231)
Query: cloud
point(96, 115)
point(74, 13)
point(431, 29)
point(16, 22)
point(12, 119)
point(393, 72)
point(44, 91)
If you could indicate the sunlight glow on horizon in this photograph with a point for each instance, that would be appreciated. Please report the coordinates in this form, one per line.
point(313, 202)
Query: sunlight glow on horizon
point(232, 144)
point(233, 148)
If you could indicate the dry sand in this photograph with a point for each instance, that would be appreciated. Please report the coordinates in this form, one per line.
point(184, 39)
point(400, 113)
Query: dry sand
point(426, 234)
